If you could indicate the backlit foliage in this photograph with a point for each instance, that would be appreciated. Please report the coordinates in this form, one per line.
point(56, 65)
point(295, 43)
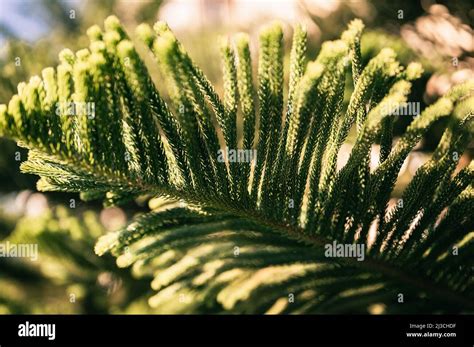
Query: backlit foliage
point(250, 237)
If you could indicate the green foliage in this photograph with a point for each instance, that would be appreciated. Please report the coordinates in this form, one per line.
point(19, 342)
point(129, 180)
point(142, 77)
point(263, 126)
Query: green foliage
point(250, 237)
point(64, 276)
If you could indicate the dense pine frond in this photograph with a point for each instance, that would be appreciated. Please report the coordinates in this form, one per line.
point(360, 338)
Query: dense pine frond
point(253, 232)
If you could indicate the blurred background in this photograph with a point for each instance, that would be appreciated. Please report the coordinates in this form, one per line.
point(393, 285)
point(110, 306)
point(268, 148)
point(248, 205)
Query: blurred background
point(68, 277)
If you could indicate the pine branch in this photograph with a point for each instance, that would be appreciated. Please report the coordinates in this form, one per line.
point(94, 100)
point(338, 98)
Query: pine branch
point(278, 215)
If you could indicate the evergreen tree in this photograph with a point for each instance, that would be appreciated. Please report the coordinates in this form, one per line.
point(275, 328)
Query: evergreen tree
point(253, 237)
